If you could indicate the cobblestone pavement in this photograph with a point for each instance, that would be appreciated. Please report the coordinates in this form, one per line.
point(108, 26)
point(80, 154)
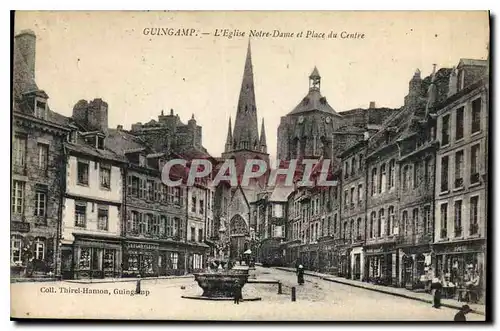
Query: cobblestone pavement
point(161, 299)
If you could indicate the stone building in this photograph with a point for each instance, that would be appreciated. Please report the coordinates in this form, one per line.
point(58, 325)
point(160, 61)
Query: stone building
point(38, 135)
point(91, 218)
point(461, 176)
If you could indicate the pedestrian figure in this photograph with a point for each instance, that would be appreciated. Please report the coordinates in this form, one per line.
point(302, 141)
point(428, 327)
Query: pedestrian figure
point(460, 316)
point(237, 292)
point(300, 275)
point(436, 287)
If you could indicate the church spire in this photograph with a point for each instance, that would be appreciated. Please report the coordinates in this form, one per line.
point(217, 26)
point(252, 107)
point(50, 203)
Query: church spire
point(314, 80)
point(229, 139)
point(246, 135)
point(263, 143)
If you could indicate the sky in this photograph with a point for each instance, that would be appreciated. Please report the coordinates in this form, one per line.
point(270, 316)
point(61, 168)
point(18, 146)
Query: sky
point(87, 55)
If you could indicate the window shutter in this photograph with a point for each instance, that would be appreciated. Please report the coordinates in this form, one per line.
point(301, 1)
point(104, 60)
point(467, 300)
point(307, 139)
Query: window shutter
point(129, 185)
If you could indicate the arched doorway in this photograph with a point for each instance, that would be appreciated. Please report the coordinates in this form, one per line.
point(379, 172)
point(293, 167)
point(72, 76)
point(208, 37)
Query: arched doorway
point(238, 231)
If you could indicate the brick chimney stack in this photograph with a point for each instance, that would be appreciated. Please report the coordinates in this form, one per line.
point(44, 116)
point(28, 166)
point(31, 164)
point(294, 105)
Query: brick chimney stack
point(26, 43)
point(372, 105)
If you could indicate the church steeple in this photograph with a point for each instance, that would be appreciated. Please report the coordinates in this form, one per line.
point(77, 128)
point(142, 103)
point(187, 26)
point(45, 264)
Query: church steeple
point(314, 80)
point(229, 138)
point(263, 143)
point(246, 134)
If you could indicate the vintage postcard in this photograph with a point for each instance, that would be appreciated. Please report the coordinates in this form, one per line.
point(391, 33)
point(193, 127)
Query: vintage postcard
point(248, 166)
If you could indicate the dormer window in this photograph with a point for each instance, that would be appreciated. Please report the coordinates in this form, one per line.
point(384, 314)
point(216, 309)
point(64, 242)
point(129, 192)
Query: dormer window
point(41, 109)
point(72, 137)
point(461, 80)
point(100, 143)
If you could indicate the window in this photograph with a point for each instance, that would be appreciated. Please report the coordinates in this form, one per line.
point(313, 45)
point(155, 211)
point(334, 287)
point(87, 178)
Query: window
point(149, 223)
point(174, 258)
point(358, 229)
point(445, 133)
point(352, 230)
point(80, 214)
point(83, 173)
point(335, 223)
point(352, 196)
point(15, 249)
point(40, 109)
point(346, 198)
point(392, 173)
point(193, 233)
point(372, 224)
point(374, 181)
point(43, 153)
point(143, 223)
point(155, 226)
point(344, 232)
point(18, 197)
point(406, 177)
point(427, 170)
point(346, 169)
point(100, 143)
point(277, 210)
point(415, 221)
point(381, 221)
point(383, 179)
point(390, 223)
point(84, 263)
point(444, 220)
point(134, 186)
point(19, 150)
point(353, 166)
point(427, 221)
point(459, 125)
point(404, 223)
point(458, 218)
point(202, 207)
point(360, 193)
point(39, 249)
point(459, 166)
point(150, 189)
point(109, 259)
point(414, 180)
point(41, 202)
point(444, 173)
point(474, 226)
point(474, 164)
point(102, 218)
point(476, 116)
point(193, 204)
point(105, 176)
point(200, 235)
point(134, 221)
point(360, 160)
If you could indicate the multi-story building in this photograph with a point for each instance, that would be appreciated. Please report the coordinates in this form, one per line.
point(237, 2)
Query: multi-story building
point(38, 135)
point(353, 206)
point(91, 218)
point(461, 176)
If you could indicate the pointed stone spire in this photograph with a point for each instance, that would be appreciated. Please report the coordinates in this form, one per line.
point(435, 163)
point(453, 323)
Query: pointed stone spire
point(229, 138)
point(453, 82)
point(263, 143)
point(246, 133)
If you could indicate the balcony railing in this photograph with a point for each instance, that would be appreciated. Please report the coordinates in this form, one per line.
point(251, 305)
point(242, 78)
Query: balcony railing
point(459, 182)
point(458, 231)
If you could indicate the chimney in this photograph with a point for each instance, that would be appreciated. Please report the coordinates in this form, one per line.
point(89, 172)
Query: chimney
point(119, 127)
point(26, 44)
point(372, 105)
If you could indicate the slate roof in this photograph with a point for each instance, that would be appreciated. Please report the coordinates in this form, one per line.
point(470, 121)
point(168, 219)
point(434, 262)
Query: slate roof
point(314, 101)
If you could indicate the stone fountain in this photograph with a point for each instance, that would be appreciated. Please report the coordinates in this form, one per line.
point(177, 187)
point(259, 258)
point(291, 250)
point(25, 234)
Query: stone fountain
point(221, 280)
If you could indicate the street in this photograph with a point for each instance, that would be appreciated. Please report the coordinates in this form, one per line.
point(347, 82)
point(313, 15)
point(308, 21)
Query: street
point(317, 300)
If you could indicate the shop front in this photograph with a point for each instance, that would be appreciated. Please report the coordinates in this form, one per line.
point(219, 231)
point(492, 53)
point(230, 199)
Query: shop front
point(326, 255)
point(345, 262)
point(91, 258)
point(462, 264)
point(292, 255)
point(415, 265)
point(197, 257)
point(140, 258)
point(381, 264)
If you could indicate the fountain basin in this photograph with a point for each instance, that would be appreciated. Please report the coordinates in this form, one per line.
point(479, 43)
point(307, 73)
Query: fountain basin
point(221, 284)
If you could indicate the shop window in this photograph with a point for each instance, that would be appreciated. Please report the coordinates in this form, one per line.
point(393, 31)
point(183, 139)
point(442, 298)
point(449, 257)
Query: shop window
point(105, 176)
point(85, 256)
point(39, 248)
point(102, 218)
point(174, 258)
point(147, 264)
point(80, 214)
point(18, 188)
point(133, 262)
point(82, 172)
point(15, 249)
point(109, 260)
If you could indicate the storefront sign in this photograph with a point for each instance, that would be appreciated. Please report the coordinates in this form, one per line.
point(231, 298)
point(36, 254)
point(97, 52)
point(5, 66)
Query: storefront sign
point(459, 247)
point(142, 246)
point(374, 250)
point(20, 226)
